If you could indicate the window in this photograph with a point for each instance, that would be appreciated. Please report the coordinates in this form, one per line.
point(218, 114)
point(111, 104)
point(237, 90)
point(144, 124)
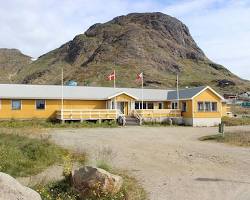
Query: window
point(200, 106)
point(161, 105)
point(16, 104)
point(150, 105)
point(137, 105)
point(214, 106)
point(40, 104)
point(174, 105)
point(184, 106)
point(207, 106)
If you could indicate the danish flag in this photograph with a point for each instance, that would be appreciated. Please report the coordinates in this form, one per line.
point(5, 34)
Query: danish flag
point(139, 77)
point(111, 76)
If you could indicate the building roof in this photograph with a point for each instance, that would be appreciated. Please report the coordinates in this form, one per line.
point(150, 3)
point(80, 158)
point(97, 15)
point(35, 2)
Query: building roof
point(21, 91)
point(187, 93)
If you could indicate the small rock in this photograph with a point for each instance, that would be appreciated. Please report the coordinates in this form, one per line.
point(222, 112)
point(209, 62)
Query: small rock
point(11, 189)
point(88, 179)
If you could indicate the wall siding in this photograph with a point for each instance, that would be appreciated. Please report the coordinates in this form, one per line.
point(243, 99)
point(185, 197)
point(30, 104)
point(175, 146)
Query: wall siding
point(29, 111)
point(207, 95)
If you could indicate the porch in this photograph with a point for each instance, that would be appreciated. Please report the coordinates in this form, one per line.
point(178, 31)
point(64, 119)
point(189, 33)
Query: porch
point(114, 114)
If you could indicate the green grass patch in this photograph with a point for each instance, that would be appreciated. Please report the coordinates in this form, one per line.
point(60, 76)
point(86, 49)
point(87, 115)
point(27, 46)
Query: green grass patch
point(50, 124)
point(22, 156)
point(236, 121)
point(239, 138)
point(131, 190)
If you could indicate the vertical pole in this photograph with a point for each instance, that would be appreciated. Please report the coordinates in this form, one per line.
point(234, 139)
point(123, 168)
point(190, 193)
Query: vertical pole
point(177, 90)
point(114, 78)
point(62, 97)
point(142, 89)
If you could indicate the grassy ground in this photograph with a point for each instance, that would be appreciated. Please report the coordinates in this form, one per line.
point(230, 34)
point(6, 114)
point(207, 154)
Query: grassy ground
point(236, 121)
point(48, 124)
point(22, 156)
point(234, 138)
point(236, 109)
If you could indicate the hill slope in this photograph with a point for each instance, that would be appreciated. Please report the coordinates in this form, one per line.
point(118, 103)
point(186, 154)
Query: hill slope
point(155, 43)
point(11, 62)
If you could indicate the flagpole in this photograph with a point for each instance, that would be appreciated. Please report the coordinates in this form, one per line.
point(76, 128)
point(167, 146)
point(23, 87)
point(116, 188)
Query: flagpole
point(114, 78)
point(142, 89)
point(177, 90)
point(62, 96)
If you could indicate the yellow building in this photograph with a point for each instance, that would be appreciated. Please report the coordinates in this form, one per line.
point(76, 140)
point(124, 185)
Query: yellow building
point(200, 106)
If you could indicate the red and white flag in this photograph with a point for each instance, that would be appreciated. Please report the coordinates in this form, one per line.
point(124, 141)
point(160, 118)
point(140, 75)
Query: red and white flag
point(139, 77)
point(111, 76)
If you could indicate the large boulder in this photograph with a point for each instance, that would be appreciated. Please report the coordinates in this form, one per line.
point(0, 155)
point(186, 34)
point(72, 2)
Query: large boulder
point(11, 189)
point(91, 180)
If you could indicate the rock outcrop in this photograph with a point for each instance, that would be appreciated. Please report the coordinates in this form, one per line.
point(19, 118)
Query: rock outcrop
point(11, 189)
point(157, 44)
point(90, 180)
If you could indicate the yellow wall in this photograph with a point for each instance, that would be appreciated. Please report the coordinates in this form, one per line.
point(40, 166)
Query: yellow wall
point(207, 95)
point(29, 111)
point(188, 113)
point(124, 97)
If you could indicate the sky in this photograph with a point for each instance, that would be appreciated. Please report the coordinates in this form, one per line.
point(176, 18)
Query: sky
point(221, 28)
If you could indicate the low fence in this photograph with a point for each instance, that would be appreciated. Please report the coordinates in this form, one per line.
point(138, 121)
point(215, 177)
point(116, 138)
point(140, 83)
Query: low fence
point(93, 114)
point(158, 113)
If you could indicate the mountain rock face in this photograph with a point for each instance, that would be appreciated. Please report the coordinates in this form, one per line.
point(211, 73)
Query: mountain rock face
point(11, 62)
point(157, 44)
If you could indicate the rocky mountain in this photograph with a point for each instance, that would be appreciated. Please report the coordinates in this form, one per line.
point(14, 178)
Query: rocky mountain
point(157, 44)
point(11, 62)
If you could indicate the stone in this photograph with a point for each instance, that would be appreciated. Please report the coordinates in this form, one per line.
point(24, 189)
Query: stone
point(91, 180)
point(11, 189)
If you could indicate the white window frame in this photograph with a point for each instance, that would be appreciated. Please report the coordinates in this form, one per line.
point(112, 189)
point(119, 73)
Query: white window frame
point(16, 100)
point(44, 104)
point(174, 105)
point(204, 106)
point(162, 105)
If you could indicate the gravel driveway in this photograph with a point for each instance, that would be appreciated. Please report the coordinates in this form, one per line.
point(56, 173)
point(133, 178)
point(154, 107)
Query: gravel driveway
point(169, 161)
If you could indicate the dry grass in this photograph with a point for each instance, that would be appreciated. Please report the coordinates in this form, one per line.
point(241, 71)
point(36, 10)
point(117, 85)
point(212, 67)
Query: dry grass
point(236, 121)
point(240, 110)
point(239, 138)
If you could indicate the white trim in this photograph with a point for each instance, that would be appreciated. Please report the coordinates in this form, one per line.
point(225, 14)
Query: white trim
point(119, 93)
point(208, 87)
point(21, 103)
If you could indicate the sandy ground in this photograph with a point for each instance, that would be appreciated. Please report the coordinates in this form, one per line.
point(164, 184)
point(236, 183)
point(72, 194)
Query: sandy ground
point(169, 161)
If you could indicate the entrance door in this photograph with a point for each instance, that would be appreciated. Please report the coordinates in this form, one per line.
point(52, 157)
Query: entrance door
point(120, 106)
point(123, 107)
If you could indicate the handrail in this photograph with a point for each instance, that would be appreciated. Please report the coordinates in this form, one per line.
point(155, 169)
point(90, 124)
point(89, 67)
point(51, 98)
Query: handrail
point(137, 116)
point(86, 114)
point(153, 113)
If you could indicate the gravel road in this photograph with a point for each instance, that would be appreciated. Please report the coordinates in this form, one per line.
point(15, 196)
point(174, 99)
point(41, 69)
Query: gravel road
point(170, 162)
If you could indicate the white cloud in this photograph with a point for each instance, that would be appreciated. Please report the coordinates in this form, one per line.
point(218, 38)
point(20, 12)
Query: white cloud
point(220, 27)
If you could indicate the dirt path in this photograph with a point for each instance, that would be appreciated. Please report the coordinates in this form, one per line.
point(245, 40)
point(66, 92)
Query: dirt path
point(170, 162)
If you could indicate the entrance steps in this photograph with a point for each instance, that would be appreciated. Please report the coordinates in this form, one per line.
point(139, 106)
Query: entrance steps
point(132, 121)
